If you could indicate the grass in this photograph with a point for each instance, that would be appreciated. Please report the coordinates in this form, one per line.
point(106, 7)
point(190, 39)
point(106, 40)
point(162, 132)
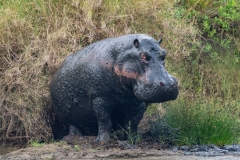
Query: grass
point(132, 138)
point(204, 122)
point(36, 36)
point(36, 143)
point(77, 149)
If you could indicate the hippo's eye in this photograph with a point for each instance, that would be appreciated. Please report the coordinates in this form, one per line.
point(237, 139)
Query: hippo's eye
point(145, 56)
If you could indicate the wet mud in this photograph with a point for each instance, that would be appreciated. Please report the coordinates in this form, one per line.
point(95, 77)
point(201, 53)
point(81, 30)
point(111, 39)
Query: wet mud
point(86, 148)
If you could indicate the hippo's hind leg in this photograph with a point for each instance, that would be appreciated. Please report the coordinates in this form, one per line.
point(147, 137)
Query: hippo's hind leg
point(102, 110)
point(73, 130)
point(133, 115)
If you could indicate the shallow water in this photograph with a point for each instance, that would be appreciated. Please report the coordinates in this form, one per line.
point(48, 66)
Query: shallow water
point(189, 158)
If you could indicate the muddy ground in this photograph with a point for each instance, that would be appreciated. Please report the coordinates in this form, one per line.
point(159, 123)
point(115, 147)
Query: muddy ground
point(84, 147)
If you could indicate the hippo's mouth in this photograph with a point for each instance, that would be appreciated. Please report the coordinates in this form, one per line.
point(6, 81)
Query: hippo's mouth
point(156, 94)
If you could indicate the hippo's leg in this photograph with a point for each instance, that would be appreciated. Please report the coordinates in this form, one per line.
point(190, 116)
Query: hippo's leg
point(134, 114)
point(101, 109)
point(73, 130)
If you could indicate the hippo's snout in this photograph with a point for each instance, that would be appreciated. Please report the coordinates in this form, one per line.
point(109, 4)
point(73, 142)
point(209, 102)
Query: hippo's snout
point(170, 85)
point(157, 92)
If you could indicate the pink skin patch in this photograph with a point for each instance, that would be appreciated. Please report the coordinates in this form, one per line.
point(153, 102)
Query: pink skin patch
point(125, 73)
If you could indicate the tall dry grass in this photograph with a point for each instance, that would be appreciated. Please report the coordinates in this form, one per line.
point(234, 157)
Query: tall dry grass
point(35, 37)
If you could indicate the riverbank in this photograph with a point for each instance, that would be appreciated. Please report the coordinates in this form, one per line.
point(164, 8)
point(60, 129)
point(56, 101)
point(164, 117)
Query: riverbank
point(62, 150)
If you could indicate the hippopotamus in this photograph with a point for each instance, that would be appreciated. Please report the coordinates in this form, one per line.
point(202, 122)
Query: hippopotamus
point(110, 83)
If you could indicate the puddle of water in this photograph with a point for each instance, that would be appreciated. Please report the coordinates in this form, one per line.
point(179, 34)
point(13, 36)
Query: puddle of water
point(189, 158)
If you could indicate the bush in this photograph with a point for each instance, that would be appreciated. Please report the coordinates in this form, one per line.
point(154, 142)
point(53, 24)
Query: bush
point(213, 17)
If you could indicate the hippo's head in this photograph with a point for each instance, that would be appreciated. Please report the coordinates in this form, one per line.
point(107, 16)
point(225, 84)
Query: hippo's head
point(143, 64)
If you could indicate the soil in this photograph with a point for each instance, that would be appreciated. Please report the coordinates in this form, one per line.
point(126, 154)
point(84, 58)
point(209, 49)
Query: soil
point(85, 147)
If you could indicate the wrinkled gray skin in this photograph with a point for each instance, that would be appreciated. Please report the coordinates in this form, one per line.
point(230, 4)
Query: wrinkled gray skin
point(110, 83)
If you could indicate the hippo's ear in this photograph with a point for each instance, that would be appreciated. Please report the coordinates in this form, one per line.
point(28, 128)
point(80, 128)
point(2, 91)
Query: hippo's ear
point(160, 41)
point(136, 43)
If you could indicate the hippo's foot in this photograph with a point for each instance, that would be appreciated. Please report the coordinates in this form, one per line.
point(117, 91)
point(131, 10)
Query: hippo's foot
point(104, 136)
point(119, 135)
point(73, 132)
point(125, 145)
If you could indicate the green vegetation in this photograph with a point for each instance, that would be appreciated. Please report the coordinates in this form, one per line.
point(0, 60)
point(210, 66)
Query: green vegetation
point(132, 138)
point(214, 18)
point(203, 121)
point(36, 143)
point(208, 109)
point(77, 149)
point(201, 37)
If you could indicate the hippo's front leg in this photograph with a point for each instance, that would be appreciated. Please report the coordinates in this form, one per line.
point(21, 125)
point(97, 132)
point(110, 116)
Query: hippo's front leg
point(134, 114)
point(101, 108)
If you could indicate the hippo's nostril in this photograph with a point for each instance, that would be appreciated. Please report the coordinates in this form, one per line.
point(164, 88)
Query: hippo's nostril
point(175, 84)
point(161, 84)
